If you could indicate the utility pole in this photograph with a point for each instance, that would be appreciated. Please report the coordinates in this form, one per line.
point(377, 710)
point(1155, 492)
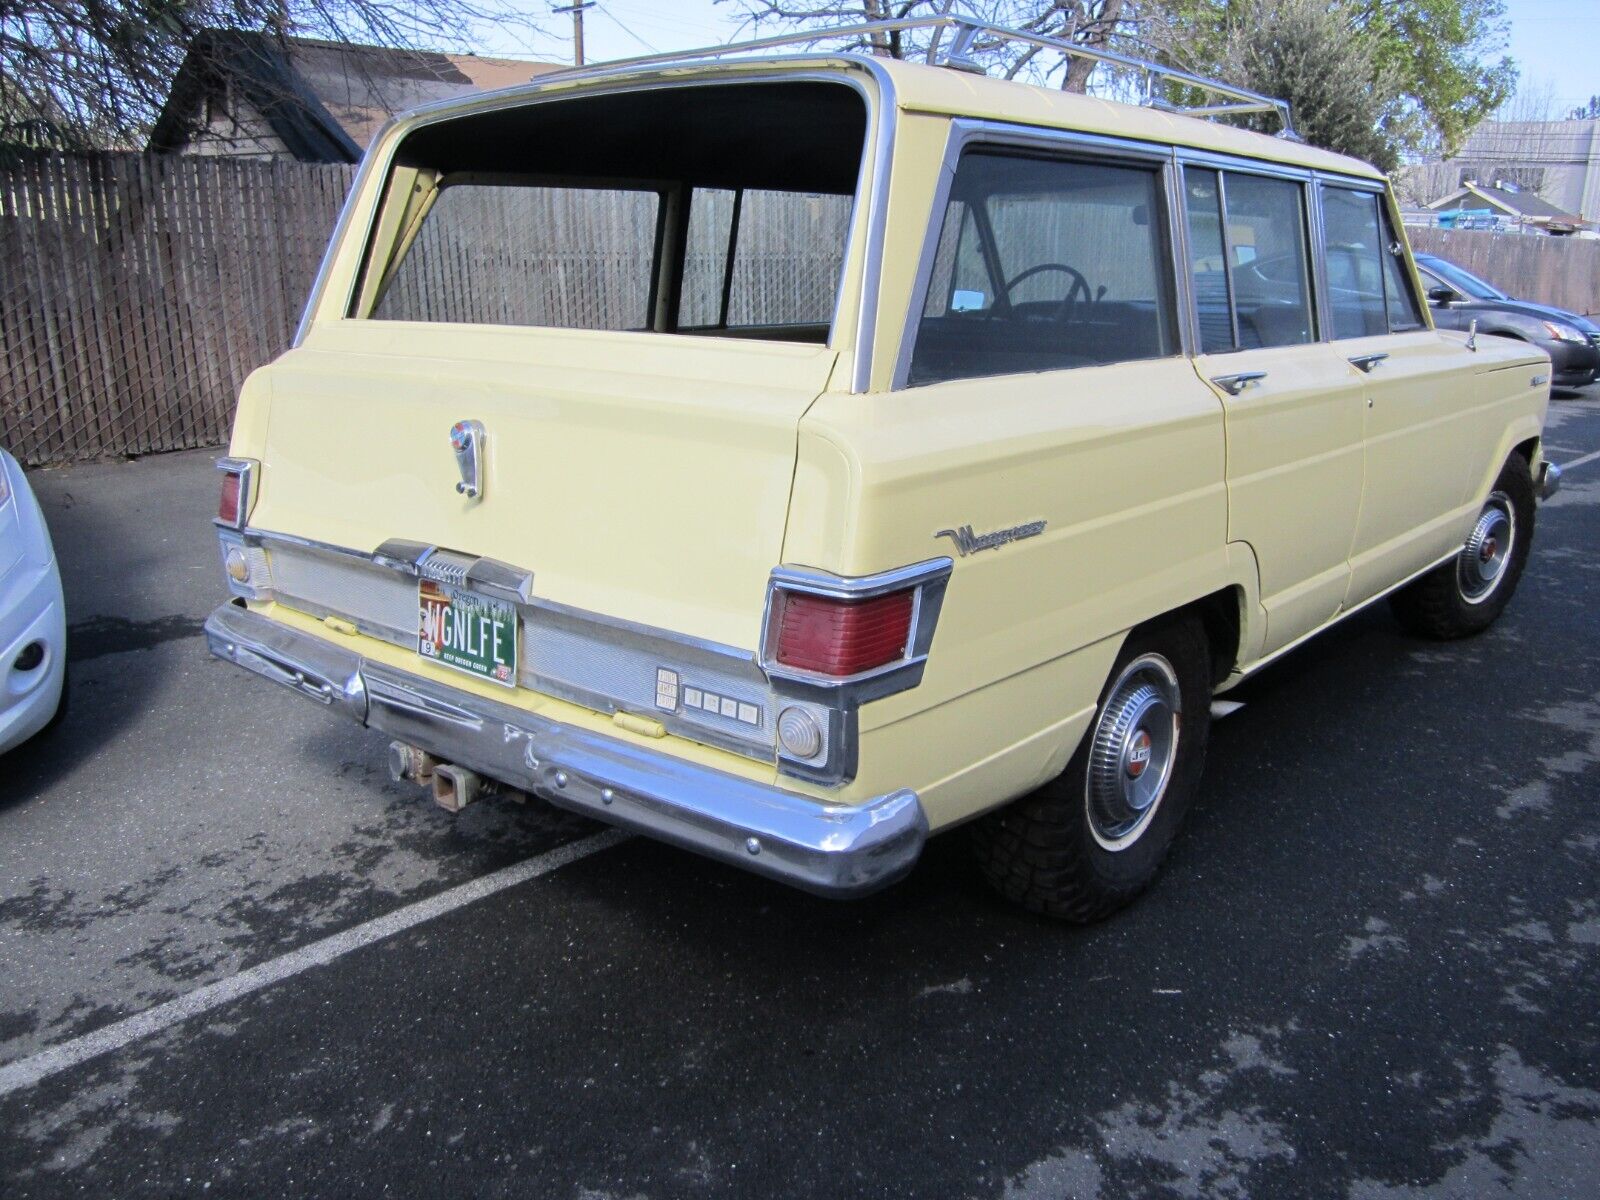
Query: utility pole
point(576, 9)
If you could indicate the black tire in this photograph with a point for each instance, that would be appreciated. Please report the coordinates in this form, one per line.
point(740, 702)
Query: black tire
point(1048, 851)
point(1455, 599)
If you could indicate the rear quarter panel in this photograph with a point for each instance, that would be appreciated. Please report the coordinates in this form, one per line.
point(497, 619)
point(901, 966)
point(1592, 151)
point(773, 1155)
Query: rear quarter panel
point(1125, 463)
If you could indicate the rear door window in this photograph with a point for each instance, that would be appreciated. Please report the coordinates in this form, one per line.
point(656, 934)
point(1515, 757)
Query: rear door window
point(1045, 264)
point(1268, 260)
point(1249, 260)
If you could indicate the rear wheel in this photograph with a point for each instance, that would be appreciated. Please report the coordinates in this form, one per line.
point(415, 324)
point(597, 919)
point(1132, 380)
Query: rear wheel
point(1086, 844)
point(1466, 594)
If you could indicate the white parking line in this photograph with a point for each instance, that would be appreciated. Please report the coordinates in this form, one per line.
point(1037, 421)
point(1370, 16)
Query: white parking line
point(26, 1072)
point(1578, 462)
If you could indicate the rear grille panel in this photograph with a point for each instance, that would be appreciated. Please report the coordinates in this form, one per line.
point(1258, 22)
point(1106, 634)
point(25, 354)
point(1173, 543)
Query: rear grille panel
point(719, 696)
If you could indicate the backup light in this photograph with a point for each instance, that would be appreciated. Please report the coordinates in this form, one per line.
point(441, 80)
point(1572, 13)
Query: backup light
point(840, 638)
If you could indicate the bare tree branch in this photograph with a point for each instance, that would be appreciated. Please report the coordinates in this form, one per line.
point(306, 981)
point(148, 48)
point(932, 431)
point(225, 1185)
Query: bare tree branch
point(1094, 24)
point(77, 74)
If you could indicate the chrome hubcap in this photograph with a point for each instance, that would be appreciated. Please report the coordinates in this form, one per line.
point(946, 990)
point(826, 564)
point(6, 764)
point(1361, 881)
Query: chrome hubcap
point(1132, 750)
point(1482, 561)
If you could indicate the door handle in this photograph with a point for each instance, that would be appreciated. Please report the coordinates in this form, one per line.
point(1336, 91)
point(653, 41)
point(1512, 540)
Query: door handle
point(1234, 384)
point(1367, 361)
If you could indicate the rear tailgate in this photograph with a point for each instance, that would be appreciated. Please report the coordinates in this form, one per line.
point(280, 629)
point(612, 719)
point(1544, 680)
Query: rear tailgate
point(639, 477)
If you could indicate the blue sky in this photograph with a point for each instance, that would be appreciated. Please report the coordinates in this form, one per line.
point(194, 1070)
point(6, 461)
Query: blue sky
point(1554, 41)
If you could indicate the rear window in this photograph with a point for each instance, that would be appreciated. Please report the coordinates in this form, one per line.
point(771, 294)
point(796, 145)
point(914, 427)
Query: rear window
point(717, 210)
point(522, 254)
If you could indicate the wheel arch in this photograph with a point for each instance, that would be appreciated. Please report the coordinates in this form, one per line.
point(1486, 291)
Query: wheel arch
point(1223, 615)
point(1524, 437)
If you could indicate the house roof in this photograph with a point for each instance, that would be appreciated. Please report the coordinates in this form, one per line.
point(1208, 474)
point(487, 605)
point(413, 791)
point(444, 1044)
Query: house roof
point(325, 100)
point(1517, 204)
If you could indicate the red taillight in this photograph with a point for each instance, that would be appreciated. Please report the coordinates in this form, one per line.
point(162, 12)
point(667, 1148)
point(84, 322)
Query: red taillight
point(228, 506)
point(842, 637)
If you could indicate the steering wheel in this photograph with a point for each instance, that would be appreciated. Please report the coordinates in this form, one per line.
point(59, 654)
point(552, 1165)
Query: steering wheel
point(1078, 283)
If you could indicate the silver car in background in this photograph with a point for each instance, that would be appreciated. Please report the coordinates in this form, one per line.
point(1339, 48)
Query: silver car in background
point(33, 615)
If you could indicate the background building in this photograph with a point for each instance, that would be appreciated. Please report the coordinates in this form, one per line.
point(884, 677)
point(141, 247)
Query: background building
point(254, 95)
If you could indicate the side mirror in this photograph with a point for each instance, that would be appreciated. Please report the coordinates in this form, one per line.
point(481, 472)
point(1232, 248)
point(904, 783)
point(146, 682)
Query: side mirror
point(1442, 295)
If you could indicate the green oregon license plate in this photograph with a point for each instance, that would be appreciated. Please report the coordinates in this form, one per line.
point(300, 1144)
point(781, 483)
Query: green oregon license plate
point(470, 632)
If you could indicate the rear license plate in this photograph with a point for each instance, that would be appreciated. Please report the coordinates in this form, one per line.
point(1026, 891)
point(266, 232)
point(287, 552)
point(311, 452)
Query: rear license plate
point(470, 632)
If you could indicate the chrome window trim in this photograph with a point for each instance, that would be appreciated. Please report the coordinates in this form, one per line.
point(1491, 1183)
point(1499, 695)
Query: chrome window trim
point(1178, 248)
point(1317, 234)
point(966, 131)
point(1241, 164)
point(869, 217)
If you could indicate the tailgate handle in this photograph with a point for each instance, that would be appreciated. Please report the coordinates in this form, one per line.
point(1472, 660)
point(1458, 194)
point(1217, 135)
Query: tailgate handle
point(1236, 383)
point(1366, 362)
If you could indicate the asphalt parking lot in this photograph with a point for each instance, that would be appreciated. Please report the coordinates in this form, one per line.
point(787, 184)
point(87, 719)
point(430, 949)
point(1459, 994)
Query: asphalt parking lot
point(236, 960)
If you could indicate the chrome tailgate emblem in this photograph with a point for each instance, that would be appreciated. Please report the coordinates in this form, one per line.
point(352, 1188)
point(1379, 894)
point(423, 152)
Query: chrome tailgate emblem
point(466, 439)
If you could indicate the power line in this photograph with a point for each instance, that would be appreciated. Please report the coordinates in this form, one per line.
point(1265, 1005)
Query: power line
point(607, 14)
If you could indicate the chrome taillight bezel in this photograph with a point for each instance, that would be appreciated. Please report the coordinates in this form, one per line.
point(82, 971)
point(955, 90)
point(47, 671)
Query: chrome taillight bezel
point(841, 697)
point(245, 469)
point(925, 580)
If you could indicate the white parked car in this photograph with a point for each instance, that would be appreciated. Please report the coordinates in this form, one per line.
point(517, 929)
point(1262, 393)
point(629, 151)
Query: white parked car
point(33, 616)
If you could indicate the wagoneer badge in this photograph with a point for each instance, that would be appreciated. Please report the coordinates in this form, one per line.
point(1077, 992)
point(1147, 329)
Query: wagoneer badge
point(466, 439)
point(968, 542)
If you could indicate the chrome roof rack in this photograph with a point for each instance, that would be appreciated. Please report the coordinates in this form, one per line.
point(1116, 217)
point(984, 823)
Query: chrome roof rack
point(971, 34)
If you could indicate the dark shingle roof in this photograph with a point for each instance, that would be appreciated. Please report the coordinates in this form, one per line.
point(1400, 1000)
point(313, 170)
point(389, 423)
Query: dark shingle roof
point(325, 100)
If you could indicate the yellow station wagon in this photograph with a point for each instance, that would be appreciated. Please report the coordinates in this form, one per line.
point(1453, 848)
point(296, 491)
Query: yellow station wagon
point(789, 457)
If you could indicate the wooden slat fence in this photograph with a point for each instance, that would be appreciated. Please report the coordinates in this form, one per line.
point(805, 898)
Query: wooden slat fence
point(137, 291)
point(1562, 271)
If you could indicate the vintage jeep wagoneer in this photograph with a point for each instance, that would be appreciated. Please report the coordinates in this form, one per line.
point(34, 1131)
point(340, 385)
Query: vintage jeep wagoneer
point(791, 457)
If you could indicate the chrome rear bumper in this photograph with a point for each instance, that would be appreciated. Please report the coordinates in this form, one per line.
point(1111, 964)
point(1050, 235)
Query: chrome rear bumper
point(832, 849)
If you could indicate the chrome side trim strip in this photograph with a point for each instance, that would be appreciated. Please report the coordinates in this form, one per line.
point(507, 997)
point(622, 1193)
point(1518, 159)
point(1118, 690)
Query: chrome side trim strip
point(834, 850)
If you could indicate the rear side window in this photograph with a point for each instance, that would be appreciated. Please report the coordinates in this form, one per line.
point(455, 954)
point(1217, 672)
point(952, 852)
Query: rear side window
point(1249, 260)
point(1045, 264)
